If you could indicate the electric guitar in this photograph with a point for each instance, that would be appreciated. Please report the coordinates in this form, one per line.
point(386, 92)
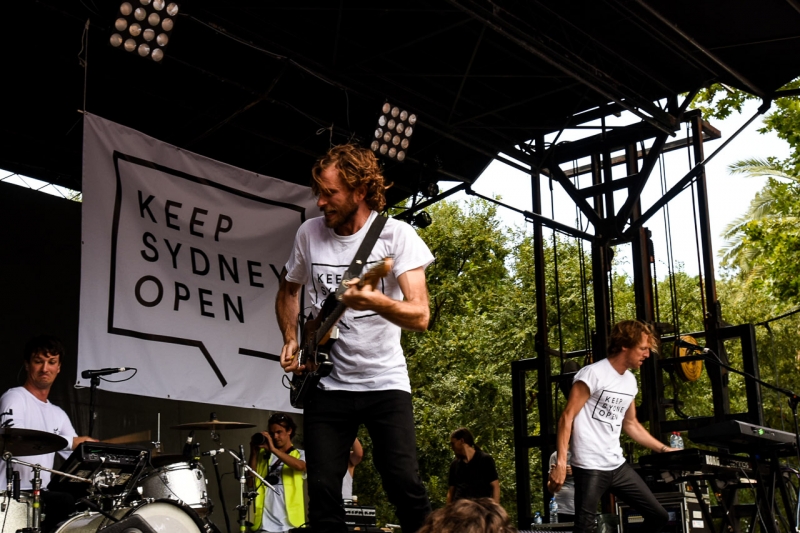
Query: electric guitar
point(321, 332)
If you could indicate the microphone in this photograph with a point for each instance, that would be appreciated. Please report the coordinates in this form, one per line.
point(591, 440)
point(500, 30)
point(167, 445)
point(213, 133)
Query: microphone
point(212, 453)
point(689, 346)
point(86, 374)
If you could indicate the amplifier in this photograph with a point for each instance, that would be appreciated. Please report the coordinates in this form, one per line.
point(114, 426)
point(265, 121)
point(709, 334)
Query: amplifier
point(355, 515)
point(684, 512)
point(119, 463)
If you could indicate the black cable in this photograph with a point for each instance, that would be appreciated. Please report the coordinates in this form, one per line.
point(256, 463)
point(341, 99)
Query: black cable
point(135, 371)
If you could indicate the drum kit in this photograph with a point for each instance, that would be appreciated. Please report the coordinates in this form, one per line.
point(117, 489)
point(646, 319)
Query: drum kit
point(121, 488)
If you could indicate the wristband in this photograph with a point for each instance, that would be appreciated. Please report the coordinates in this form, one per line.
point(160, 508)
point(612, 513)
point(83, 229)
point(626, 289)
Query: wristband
point(663, 448)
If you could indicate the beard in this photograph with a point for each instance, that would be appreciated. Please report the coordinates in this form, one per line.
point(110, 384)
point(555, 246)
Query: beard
point(341, 215)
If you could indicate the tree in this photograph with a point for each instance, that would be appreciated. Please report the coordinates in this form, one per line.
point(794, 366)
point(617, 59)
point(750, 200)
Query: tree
point(764, 243)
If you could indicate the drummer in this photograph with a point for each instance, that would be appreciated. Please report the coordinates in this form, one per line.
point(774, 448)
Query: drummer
point(30, 409)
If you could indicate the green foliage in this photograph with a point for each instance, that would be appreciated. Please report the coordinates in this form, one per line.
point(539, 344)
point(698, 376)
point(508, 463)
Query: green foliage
point(483, 318)
point(763, 243)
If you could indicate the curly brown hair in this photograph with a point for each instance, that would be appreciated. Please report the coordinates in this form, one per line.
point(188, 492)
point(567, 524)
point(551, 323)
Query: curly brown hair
point(628, 333)
point(482, 515)
point(357, 167)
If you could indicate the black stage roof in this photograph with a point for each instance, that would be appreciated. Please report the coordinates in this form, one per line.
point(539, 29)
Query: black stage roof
point(267, 85)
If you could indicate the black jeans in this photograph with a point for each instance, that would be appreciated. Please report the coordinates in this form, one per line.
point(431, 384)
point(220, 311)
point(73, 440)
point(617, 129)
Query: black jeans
point(330, 423)
point(623, 482)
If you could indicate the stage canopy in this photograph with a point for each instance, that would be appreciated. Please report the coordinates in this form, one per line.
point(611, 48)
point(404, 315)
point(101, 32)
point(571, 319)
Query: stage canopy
point(267, 86)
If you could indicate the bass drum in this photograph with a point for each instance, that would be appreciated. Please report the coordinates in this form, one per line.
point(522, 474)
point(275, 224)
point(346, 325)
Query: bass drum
point(168, 516)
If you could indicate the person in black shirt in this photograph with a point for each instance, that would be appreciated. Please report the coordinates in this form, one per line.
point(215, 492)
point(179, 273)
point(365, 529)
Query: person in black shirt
point(472, 472)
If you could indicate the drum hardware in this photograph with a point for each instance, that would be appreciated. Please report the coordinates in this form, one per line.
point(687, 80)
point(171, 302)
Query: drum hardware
point(215, 425)
point(36, 516)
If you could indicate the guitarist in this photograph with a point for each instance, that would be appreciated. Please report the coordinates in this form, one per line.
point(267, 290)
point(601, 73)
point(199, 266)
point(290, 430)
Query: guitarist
point(369, 382)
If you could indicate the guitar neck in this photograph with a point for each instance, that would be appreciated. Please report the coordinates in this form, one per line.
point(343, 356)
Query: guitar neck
point(329, 321)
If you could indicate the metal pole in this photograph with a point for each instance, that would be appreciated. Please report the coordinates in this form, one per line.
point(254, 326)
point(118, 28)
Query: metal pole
point(713, 319)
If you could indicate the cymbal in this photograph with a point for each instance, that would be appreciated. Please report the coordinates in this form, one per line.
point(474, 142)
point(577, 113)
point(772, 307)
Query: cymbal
point(214, 425)
point(21, 442)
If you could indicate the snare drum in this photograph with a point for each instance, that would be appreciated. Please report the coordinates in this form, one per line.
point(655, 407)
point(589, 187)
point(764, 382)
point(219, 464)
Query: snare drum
point(15, 514)
point(163, 515)
point(185, 482)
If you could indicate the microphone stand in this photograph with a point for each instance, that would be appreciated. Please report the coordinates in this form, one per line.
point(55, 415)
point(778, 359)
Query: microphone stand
point(94, 383)
point(245, 496)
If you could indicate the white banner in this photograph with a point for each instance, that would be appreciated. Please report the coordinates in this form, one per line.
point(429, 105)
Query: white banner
point(179, 270)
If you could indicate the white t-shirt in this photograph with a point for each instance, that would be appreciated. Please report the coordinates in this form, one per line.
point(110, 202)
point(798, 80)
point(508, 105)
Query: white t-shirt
point(31, 413)
point(274, 517)
point(565, 498)
point(347, 486)
point(367, 355)
point(596, 429)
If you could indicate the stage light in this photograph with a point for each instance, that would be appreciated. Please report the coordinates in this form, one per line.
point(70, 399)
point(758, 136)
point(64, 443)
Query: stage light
point(149, 42)
point(422, 220)
point(429, 188)
point(393, 132)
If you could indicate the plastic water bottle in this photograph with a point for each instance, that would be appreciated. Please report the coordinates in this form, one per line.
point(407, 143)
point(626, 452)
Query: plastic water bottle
point(675, 440)
point(553, 511)
point(537, 517)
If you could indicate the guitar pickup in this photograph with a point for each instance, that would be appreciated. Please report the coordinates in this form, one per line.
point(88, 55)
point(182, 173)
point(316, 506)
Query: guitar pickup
point(334, 333)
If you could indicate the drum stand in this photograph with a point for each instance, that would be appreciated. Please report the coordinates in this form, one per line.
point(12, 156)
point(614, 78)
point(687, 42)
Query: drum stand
point(37, 488)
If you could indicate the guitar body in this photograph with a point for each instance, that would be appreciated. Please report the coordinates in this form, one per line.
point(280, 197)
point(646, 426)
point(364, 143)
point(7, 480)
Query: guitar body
point(319, 335)
point(315, 357)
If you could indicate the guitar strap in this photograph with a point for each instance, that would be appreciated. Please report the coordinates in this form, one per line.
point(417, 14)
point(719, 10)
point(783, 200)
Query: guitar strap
point(360, 259)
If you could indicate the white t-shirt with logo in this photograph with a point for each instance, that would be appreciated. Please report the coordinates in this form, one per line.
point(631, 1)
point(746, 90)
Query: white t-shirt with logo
point(32, 413)
point(367, 355)
point(596, 429)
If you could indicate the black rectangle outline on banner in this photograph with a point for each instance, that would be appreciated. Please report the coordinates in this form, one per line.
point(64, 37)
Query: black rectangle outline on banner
point(114, 233)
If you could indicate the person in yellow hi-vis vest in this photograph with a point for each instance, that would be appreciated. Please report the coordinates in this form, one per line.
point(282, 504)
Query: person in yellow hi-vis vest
point(275, 459)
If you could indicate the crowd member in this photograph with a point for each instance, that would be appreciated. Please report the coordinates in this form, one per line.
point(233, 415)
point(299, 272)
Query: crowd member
point(356, 455)
point(600, 406)
point(369, 383)
point(27, 407)
point(282, 507)
point(565, 497)
point(473, 473)
point(483, 515)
